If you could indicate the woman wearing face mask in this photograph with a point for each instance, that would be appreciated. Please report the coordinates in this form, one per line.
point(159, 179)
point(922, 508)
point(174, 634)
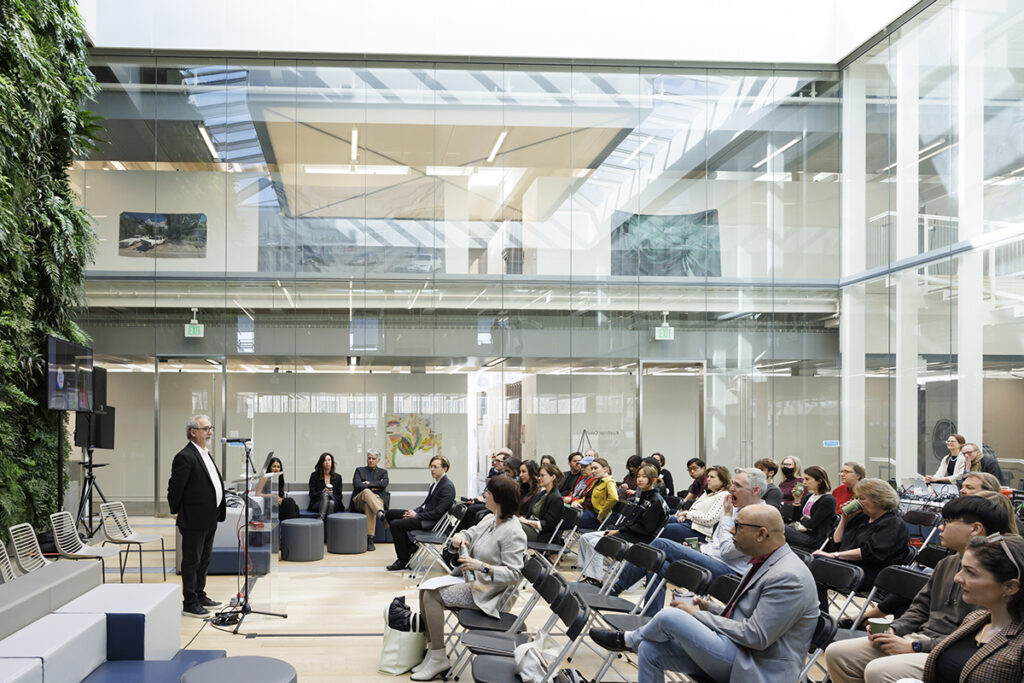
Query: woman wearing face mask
point(546, 511)
point(792, 475)
point(989, 645)
point(953, 465)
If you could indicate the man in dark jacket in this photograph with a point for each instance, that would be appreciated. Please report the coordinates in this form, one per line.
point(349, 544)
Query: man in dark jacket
point(195, 493)
point(369, 493)
point(439, 499)
point(573, 475)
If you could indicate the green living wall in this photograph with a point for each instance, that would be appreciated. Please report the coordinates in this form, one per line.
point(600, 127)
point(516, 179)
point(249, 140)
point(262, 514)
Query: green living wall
point(45, 240)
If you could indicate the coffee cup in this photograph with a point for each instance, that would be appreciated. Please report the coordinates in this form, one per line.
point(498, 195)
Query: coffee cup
point(879, 625)
point(851, 507)
point(681, 594)
point(693, 542)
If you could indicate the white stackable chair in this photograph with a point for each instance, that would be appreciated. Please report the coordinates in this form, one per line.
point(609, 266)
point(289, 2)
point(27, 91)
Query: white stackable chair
point(6, 569)
point(27, 553)
point(119, 531)
point(69, 543)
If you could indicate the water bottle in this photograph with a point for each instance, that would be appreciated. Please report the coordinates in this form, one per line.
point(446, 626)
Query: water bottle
point(469, 574)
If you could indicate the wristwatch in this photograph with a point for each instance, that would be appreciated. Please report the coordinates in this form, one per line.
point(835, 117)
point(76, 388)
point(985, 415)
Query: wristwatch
point(916, 646)
point(835, 556)
point(485, 569)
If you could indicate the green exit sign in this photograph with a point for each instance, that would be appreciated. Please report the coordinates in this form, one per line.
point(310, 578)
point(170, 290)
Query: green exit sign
point(193, 330)
point(664, 333)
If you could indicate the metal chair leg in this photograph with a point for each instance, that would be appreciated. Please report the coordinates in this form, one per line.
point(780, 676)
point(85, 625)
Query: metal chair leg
point(163, 558)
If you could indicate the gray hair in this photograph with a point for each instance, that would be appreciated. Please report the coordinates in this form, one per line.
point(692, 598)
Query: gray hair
point(756, 478)
point(193, 423)
point(373, 451)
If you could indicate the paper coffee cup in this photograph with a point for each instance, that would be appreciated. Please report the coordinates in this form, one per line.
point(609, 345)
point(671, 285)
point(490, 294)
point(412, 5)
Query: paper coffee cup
point(682, 594)
point(879, 625)
point(851, 507)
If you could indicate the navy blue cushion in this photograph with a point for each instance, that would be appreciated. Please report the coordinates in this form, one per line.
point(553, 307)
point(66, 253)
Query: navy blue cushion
point(126, 636)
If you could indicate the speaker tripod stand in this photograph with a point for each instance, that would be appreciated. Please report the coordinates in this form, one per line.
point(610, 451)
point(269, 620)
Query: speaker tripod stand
point(89, 483)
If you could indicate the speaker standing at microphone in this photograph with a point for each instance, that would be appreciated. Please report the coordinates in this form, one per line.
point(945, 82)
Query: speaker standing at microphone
point(195, 493)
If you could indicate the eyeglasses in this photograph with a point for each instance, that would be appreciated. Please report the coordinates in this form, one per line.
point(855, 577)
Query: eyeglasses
point(736, 524)
point(967, 451)
point(204, 429)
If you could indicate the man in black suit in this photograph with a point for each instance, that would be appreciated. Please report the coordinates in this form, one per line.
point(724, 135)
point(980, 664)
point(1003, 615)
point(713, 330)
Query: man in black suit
point(195, 493)
point(439, 498)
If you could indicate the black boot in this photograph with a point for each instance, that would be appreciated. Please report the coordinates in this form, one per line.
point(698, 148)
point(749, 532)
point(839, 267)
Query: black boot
point(369, 543)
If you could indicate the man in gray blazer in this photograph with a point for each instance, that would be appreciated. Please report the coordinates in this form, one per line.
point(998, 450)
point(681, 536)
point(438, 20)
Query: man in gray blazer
point(761, 636)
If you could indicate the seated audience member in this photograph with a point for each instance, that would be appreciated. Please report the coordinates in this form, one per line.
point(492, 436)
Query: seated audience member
point(475, 507)
point(547, 459)
point(583, 484)
point(573, 476)
point(952, 466)
point(979, 481)
point(667, 485)
point(872, 537)
point(370, 493)
point(1006, 506)
point(792, 474)
point(816, 510)
point(286, 507)
point(719, 556)
point(645, 520)
point(497, 546)
point(628, 485)
point(529, 486)
point(989, 646)
point(761, 636)
point(600, 496)
point(773, 494)
point(325, 488)
point(546, 512)
point(849, 475)
point(498, 462)
point(440, 497)
point(936, 611)
point(700, 520)
point(699, 473)
point(975, 460)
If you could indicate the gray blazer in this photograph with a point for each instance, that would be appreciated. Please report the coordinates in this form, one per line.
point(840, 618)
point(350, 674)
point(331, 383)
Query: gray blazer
point(773, 621)
point(504, 549)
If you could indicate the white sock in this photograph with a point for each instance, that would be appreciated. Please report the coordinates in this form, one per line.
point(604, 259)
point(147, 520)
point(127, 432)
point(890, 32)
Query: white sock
point(627, 636)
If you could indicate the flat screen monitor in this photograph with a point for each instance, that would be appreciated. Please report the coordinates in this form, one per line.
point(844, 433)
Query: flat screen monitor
point(69, 375)
point(95, 430)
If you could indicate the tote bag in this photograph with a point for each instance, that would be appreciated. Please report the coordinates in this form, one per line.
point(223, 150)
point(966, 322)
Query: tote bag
point(402, 650)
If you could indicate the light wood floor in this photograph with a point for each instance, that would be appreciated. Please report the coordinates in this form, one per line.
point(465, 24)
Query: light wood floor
point(335, 611)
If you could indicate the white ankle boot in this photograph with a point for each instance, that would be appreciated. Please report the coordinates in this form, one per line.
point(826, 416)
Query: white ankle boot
point(435, 664)
point(426, 660)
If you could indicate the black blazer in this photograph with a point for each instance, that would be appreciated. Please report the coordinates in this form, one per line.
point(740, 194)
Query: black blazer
point(550, 515)
point(378, 478)
point(648, 516)
point(819, 524)
point(569, 482)
point(317, 488)
point(191, 494)
point(437, 502)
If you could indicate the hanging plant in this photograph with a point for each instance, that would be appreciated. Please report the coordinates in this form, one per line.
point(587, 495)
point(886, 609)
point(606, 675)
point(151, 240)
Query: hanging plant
point(46, 240)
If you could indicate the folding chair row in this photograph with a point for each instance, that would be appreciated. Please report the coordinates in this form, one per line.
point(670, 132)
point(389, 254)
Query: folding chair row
point(429, 544)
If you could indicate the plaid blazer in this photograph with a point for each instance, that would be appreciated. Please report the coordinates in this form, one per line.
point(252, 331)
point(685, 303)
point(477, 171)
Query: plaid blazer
point(1000, 660)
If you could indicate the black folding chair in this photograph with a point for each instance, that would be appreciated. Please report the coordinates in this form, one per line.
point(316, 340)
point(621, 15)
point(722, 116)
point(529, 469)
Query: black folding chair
point(565, 530)
point(614, 550)
point(838, 576)
point(430, 542)
point(723, 588)
point(574, 615)
point(931, 554)
point(824, 634)
point(924, 519)
point(901, 581)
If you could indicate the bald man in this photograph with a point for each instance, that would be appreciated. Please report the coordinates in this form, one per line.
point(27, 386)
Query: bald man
point(761, 636)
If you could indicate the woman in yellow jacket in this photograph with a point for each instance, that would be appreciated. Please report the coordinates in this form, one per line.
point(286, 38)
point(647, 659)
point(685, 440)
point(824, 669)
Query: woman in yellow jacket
point(600, 497)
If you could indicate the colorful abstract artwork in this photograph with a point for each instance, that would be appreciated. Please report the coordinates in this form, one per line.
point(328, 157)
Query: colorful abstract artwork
point(410, 436)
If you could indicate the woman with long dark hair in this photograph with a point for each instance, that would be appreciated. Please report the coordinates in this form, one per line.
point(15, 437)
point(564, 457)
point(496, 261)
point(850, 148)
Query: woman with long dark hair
point(529, 487)
point(546, 511)
point(325, 487)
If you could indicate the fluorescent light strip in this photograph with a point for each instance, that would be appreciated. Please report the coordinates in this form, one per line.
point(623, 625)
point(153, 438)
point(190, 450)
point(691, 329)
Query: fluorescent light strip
point(235, 301)
point(355, 145)
point(497, 146)
point(450, 170)
point(639, 149)
point(118, 165)
point(777, 152)
point(205, 135)
point(352, 169)
point(288, 296)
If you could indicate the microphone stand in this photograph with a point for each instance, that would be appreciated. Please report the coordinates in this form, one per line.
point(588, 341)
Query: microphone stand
point(244, 607)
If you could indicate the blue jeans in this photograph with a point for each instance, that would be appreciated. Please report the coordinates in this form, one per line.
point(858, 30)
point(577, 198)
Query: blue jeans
point(680, 531)
point(589, 520)
point(675, 641)
point(673, 551)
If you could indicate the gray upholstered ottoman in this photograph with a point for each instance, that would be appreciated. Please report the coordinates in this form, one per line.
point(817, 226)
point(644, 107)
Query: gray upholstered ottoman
point(262, 669)
point(302, 540)
point(346, 533)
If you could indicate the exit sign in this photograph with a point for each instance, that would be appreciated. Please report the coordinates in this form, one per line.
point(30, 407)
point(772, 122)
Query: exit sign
point(193, 330)
point(664, 333)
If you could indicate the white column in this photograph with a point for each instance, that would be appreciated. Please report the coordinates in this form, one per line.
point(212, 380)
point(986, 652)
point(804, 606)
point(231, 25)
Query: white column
point(906, 285)
point(852, 332)
point(970, 192)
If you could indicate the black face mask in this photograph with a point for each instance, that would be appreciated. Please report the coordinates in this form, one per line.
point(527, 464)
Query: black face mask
point(787, 472)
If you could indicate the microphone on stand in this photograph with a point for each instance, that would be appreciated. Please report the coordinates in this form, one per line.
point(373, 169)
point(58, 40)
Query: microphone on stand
point(234, 440)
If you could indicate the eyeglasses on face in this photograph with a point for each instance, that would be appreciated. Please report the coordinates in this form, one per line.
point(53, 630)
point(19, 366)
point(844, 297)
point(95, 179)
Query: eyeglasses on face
point(204, 429)
point(752, 526)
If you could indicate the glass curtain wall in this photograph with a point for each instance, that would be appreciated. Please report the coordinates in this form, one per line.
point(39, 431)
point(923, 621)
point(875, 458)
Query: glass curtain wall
point(447, 258)
point(932, 238)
